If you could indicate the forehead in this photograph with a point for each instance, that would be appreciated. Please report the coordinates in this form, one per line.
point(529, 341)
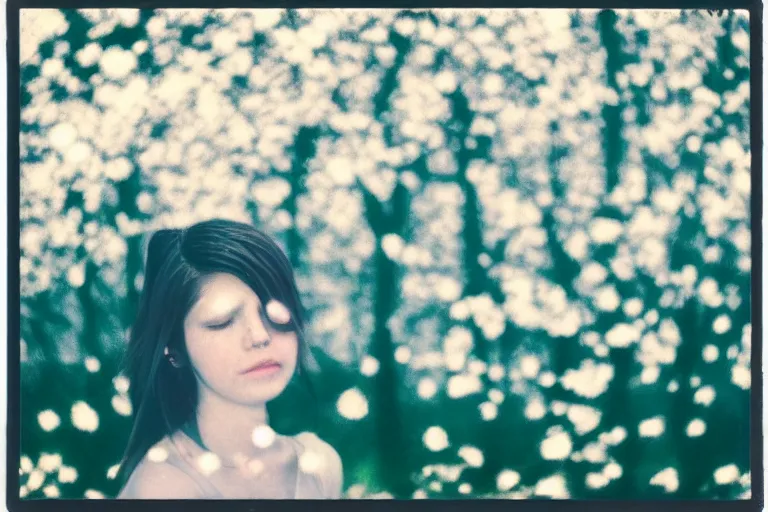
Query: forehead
point(221, 291)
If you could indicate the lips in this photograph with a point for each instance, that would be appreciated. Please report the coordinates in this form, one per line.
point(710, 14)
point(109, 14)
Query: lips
point(263, 366)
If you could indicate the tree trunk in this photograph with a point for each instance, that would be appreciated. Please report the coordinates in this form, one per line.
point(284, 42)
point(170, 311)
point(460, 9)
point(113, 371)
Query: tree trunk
point(303, 151)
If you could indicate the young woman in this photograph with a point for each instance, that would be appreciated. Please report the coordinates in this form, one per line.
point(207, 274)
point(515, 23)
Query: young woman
point(219, 333)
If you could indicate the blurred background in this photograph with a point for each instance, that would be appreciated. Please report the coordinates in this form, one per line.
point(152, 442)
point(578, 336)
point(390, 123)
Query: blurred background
point(523, 236)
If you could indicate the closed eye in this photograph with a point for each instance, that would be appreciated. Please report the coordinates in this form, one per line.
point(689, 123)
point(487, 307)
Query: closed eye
point(223, 325)
point(287, 327)
point(282, 327)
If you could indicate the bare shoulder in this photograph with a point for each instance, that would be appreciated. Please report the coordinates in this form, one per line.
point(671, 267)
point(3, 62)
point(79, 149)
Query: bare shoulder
point(330, 469)
point(160, 481)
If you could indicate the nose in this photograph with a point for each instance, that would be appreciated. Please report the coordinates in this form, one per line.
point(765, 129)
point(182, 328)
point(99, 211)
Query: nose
point(256, 334)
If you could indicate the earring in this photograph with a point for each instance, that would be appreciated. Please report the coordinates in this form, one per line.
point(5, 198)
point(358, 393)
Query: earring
point(171, 359)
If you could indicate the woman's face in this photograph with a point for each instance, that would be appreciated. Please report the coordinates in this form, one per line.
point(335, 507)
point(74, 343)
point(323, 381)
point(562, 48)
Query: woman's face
point(236, 351)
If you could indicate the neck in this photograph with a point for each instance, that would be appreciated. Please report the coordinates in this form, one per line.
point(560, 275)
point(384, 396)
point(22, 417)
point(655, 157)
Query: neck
point(227, 428)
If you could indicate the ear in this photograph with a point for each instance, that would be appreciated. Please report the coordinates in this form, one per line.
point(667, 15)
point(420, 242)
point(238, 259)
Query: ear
point(173, 358)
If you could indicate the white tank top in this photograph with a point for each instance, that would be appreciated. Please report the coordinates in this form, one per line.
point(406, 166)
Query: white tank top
point(183, 452)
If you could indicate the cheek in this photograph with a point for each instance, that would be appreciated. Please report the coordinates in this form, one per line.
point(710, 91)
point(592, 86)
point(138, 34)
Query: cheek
point(287, 346)
point(208, 354)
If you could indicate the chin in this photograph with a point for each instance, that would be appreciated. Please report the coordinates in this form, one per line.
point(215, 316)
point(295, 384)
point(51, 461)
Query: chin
point(261, 394)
